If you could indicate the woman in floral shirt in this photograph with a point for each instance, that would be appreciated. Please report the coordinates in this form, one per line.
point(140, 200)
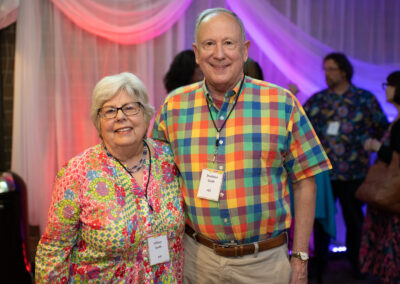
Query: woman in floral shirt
point(116, 213)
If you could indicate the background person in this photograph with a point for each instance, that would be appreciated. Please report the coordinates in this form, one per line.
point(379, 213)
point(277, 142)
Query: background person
point(252, 69)
point(114, 200)
point(183, 71)
point(236, 142)
point(380, 247)
point(344, 117)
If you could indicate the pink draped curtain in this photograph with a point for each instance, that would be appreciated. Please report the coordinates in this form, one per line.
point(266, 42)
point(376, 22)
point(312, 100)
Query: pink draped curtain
point(64, 47)
point(124, 22)
point(57, 65)
point(8, 12)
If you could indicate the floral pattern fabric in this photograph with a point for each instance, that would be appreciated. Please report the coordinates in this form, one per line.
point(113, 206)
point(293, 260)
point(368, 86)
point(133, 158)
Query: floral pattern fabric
point(380, 245)
point(100, 219)
point(360, 117)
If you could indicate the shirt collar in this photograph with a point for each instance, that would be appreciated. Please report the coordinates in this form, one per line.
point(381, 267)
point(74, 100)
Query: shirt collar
point(230, 93)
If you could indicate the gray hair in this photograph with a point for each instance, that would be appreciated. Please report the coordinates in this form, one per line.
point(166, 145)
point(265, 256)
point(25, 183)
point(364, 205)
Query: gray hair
point(109, 86)
point(211, 11)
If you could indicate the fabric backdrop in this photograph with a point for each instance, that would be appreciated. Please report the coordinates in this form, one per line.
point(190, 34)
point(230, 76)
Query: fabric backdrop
point(64, 47)
point(8, 12)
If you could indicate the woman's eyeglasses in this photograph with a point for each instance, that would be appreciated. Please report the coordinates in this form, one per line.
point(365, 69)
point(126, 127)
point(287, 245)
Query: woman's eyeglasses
point(129, 109)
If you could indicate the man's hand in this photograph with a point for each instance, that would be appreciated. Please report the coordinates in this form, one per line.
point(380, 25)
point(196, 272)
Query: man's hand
point(299, 271)
point(372, 144)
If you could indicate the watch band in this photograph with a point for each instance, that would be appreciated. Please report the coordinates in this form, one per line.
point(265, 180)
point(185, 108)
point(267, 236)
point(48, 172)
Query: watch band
point(303, 256)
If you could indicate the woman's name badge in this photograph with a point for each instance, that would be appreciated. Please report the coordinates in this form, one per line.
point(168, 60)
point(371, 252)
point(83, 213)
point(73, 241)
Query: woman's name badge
point(158, 249)
point(333, 128)
point(210, 184)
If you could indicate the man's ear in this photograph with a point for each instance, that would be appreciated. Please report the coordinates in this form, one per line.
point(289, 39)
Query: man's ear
point(196, 52)
point(246, 47)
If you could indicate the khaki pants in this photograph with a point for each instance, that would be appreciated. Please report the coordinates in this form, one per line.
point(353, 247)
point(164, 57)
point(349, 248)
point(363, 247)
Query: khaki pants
point(202, 265)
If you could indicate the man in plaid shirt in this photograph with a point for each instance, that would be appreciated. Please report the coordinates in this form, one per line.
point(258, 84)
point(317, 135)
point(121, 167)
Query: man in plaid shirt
point(238, 142)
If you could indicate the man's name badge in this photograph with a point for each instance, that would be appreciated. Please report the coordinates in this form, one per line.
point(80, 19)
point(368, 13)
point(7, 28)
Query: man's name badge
point(158, 249)
point(210, 184)
point(333, 128)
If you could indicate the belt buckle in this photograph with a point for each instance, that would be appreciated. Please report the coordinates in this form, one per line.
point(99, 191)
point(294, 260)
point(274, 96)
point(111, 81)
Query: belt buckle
point(215, 245)
point(194, 236)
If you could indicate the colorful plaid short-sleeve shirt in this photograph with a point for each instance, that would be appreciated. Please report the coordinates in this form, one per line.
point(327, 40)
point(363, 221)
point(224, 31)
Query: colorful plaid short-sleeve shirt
point(266, 140)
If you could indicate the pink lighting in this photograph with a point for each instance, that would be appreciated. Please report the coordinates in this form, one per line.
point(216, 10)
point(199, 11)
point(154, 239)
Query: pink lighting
point(128, 23)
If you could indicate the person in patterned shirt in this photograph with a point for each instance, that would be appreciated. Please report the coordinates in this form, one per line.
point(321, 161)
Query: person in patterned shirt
point(236, 142)
point(345, 117)
point(116, 214)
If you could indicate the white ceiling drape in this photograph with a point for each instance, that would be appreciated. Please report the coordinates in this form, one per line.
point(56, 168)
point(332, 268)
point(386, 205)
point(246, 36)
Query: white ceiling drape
point(58, 62)
point(293, 39)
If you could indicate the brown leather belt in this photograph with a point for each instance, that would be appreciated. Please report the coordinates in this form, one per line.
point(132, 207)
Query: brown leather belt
point(236, 250)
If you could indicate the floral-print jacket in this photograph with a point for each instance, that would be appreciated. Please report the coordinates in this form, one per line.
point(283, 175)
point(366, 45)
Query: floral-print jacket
point(100, 219)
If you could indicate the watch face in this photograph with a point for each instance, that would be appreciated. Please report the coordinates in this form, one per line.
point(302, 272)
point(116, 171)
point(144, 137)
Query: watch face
point(303, 256)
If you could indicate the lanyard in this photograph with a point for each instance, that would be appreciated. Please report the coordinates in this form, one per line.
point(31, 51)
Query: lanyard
point(148, 180)
point(226, 119)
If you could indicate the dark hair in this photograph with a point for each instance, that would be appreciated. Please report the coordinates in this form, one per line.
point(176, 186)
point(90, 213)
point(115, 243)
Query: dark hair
point(394, 80)
point(252, 68)
point(180, 71)
point(342, 62)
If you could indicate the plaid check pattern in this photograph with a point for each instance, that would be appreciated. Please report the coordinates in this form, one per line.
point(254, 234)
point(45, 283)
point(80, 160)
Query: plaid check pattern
point(266, 141)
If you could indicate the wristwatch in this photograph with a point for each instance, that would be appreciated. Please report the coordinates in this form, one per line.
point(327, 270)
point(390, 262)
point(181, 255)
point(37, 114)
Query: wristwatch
point(303, 256)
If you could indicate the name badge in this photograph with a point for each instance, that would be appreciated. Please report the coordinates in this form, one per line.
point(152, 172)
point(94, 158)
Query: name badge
point(210, 184)
point(333, 128)
point(158, 249)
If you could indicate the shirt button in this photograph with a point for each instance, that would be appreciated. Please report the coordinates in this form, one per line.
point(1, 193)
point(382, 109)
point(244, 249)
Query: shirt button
point(221, 117)
point(221, 142)
point(226, 220)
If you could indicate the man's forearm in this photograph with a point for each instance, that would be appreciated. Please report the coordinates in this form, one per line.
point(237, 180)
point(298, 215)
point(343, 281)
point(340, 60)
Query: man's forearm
point(304, 195)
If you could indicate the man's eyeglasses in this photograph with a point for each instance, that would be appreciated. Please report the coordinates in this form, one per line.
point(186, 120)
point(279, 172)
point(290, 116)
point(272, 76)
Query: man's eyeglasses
point(384, 86)
point(129, 109)
point(226, 45)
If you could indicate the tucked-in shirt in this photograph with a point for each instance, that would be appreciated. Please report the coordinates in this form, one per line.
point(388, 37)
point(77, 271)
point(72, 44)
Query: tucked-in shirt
point(100, 219)
point(266, 139)
point(360, 117)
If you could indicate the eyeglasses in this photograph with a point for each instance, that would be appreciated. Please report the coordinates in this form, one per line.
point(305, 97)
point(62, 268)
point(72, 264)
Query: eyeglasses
point(384, 86)
point(227, 45)
point(129, 109)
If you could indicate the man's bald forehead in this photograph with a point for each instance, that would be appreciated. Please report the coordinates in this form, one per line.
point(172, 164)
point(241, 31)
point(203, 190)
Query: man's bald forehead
point(210, 13)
